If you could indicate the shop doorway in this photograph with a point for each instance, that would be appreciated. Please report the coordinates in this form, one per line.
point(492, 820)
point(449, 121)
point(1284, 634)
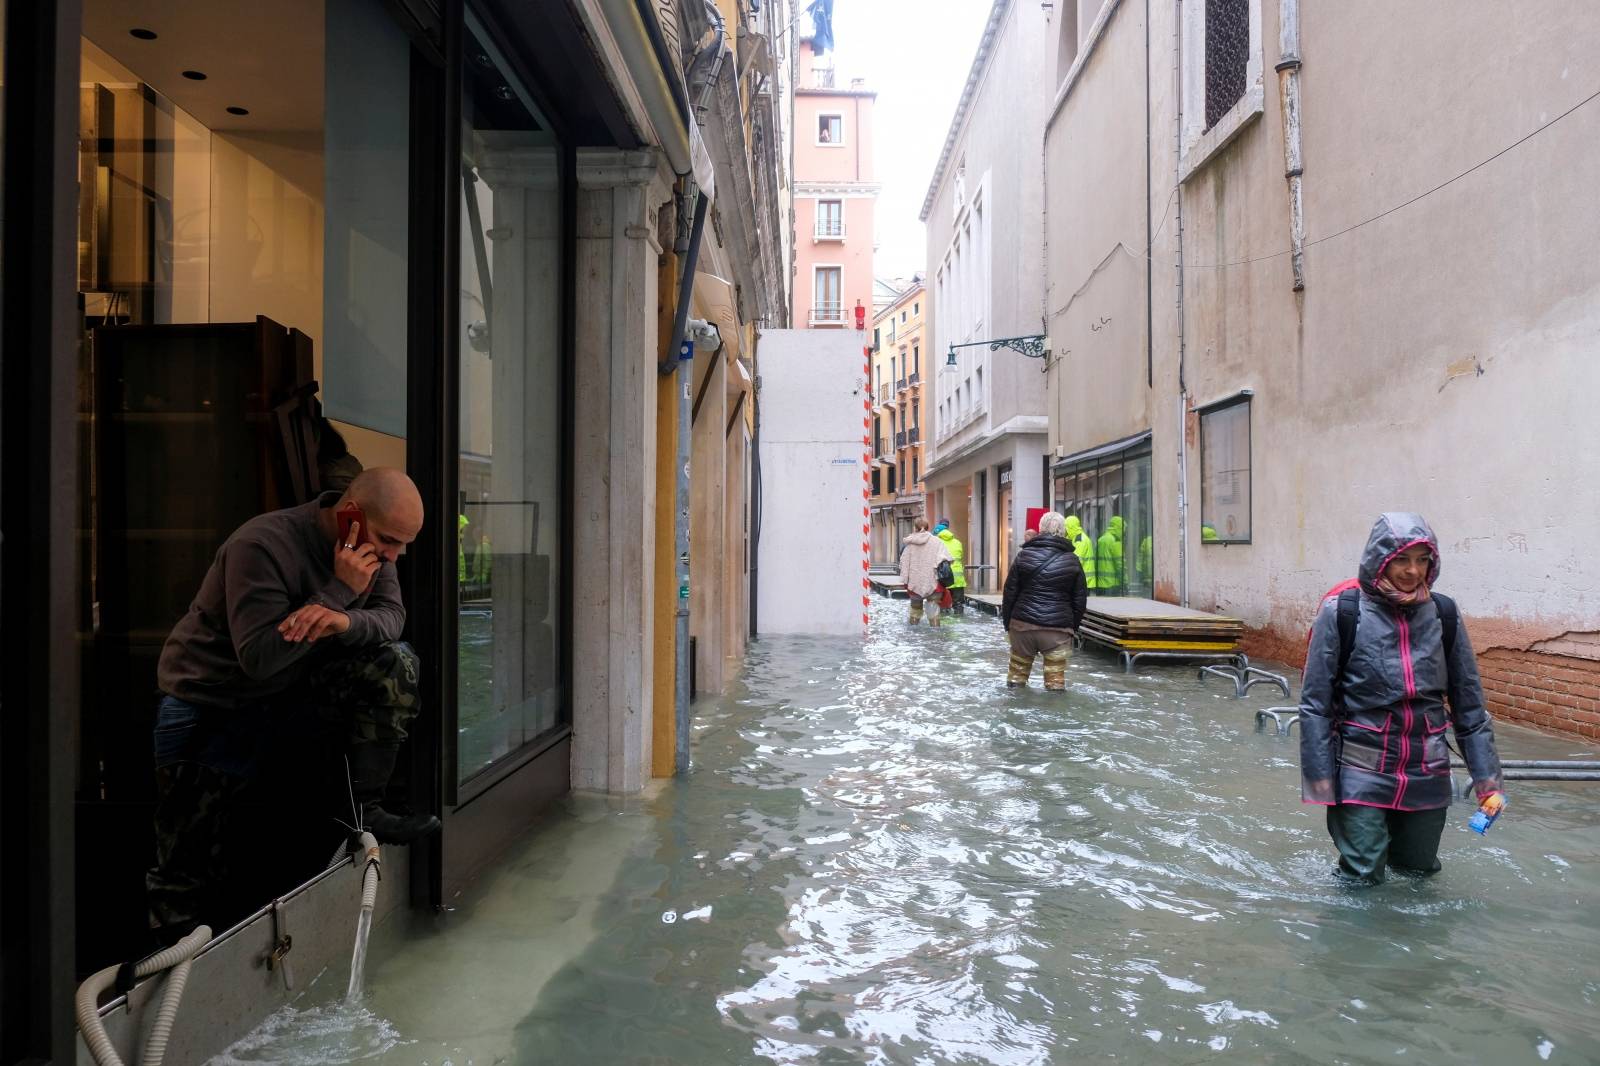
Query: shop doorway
point(1004, 525)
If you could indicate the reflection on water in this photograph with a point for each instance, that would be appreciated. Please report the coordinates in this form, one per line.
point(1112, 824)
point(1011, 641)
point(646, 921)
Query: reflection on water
point(884, 856)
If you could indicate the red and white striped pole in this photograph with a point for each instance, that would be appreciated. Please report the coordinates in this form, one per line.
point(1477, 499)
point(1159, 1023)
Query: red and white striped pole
point(866, 486)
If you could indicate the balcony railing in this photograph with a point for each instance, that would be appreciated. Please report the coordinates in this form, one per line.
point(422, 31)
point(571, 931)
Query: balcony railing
point(900, 386)
point(900, 439)
point(829, 229)
point(914, 434)
point(915, 379)
point(883, 393)
point(827, 314)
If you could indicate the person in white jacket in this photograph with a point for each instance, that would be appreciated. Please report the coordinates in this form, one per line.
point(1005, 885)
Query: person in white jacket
point(919, 565)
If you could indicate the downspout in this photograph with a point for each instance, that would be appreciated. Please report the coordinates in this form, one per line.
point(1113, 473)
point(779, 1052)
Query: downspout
point(1293, 165)
point(649, 63)
point(1183, 381)
point(1149, 235)
point(755, 501)
point(680, 358)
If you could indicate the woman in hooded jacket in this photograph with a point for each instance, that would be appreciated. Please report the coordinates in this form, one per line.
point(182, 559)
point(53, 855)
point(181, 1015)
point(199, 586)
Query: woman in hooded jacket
point(1044, 601)
point(919, 569)
point(1373, 716)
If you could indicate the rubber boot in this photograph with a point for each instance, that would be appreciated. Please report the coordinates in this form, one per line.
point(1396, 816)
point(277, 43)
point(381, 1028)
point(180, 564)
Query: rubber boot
point(371, 765)
point(1019, 670)
point(1055, 669)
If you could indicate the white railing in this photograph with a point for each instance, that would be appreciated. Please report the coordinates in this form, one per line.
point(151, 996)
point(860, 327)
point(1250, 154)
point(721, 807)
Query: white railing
point(827, 314)
point(829, 229)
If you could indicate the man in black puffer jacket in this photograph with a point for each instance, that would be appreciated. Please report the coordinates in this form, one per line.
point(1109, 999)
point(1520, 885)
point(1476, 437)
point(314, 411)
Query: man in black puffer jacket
point(1045, 598)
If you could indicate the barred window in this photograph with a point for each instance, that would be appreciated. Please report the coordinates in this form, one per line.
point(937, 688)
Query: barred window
point(1227, 55)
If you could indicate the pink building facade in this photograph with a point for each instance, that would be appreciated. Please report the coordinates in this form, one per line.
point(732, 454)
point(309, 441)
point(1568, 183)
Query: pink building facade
point(834, 198)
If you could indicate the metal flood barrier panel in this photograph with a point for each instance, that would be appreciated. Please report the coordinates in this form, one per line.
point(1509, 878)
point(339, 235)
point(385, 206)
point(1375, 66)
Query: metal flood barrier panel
point(232, 989)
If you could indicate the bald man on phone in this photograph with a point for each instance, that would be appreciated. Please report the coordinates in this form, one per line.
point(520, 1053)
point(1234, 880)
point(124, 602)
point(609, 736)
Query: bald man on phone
point(296, 617)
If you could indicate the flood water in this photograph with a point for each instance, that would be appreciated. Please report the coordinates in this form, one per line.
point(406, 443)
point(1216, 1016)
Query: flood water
point(884, 856)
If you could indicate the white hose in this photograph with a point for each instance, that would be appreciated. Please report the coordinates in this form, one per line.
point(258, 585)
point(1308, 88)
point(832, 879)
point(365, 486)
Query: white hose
point(177, 958)
point(369, 879)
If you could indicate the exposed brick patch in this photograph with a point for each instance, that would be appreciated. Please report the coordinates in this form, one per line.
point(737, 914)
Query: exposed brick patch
point(1560, 693)
point(1557, 692)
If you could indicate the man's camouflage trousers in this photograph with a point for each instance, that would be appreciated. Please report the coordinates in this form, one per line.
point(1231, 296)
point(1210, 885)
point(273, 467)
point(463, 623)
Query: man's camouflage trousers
point(1052, 645)
point(206, 756)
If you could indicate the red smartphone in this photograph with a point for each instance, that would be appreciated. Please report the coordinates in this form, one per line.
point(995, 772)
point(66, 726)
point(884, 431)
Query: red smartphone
point(347, 516)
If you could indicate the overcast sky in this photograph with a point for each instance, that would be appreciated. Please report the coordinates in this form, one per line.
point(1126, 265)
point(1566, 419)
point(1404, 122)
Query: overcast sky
point(916, 54)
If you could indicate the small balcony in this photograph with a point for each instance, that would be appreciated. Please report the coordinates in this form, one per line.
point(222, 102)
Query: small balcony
point(914, 380)
point(827, 314)
point(900, 439)
point(901, 385)
point(914, 435)
point(883, 393)
point(828, 229)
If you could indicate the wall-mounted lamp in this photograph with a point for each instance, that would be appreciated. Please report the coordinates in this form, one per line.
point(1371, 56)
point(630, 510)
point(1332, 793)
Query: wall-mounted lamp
point(1036, 346)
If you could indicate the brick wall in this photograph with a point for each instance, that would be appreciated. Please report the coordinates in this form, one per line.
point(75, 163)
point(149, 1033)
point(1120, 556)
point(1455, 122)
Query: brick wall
point(1539, 687)
point(1560, 692)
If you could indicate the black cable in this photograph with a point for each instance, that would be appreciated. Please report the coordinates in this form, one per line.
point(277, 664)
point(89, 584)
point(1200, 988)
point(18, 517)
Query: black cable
point(1382, 214)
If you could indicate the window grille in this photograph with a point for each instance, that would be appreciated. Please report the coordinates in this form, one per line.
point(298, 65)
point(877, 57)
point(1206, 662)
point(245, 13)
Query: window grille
point(1227, 55)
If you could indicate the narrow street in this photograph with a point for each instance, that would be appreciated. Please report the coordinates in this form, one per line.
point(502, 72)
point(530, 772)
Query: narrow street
point(885, 856)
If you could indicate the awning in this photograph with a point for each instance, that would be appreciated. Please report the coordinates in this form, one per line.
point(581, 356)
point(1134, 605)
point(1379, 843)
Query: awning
point(714, 299)
point(1104, 450)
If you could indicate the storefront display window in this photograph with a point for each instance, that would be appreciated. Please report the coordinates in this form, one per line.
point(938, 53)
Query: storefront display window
point(509, 687)
point(1109, 492)
point(243, 209)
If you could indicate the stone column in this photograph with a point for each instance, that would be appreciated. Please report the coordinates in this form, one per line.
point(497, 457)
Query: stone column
point(614, 496)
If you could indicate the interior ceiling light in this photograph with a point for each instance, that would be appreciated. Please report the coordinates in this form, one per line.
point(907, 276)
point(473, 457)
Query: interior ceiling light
point(238, 110)
point(142, 34)
point(194, 75)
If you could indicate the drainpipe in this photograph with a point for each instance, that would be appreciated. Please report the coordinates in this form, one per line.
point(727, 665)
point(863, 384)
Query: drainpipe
point(1183, 381)
point(1293, 166)
point(680, 358)
point(650, 63)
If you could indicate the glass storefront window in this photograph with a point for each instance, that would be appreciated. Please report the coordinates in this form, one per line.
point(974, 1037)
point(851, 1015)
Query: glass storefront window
point(243, 208)
point(1111, 497)
point(243, 204)
point(1138, 539)
point(510, 461)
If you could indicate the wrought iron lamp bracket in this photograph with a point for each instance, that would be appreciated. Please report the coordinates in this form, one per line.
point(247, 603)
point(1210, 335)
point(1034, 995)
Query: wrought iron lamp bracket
point(1035, 346)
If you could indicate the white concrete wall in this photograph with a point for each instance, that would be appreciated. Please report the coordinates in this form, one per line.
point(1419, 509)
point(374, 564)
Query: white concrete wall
point(813, 554)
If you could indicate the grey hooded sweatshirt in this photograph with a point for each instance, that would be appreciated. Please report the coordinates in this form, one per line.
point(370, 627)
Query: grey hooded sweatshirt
point(1380, 742)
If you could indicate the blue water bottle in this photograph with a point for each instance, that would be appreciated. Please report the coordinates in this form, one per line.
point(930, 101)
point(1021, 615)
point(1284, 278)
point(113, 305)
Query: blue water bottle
point(1492, 807)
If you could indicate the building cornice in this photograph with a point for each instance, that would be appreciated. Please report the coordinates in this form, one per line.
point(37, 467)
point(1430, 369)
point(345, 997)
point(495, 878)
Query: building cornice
point(837, 188)
point(969, 92)
point(864, 94)
point(1017, 426)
